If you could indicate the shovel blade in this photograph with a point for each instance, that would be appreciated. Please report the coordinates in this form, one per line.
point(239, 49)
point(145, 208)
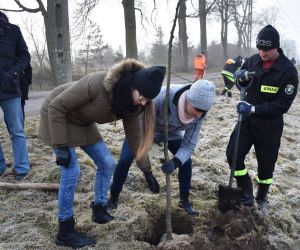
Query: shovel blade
point(229, 198)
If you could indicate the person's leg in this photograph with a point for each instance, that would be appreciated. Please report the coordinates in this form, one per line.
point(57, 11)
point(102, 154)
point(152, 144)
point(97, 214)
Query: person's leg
point(2, 161)
point(67, 234)
point(224, 91)
point(13, 114)
point(229, 82)
point(184, 178)
point(241, 174)
point(197, 74)
point(201, 73)
point(68, 182)
point(122, 168)
point(105, 165)
point(23, 109)
point(266, 147)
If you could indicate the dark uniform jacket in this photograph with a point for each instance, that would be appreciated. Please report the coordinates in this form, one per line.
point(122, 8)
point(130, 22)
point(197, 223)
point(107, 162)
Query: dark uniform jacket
point(231, 65)
point(273, 89)
point(14, 57)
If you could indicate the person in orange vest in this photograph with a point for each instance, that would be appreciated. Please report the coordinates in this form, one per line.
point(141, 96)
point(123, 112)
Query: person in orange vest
point(199, 65)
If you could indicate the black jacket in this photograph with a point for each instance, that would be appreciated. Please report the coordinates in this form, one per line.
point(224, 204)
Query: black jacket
point(14, 58)
point(273, 89)
point(231, 65)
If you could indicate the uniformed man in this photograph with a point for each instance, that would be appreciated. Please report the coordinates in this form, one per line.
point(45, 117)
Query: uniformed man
point(273, 90)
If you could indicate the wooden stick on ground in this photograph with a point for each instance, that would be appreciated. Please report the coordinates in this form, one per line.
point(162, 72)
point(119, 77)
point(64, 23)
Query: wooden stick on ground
point(24, 186)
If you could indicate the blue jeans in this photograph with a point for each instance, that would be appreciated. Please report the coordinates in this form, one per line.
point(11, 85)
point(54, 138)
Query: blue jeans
point(15, 124)
point(105, 164)
point(127, 157)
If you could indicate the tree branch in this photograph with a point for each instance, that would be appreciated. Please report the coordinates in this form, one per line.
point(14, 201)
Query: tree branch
point(27, 9)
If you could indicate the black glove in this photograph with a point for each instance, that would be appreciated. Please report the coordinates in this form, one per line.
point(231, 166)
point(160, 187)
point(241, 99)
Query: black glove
point(63, 156)
point(169, 166)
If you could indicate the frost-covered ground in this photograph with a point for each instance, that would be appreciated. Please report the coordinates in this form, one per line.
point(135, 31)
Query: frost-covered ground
point(28, 218)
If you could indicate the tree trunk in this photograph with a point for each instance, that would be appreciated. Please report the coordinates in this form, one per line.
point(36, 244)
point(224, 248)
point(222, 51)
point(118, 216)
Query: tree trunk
point(58, 40)
point(183, 37)
point(202, 19)
point(130, 29)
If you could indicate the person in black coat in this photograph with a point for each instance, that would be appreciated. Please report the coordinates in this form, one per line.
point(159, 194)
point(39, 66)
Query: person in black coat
point(230, 67)
point(270, 96)
point(14, 58)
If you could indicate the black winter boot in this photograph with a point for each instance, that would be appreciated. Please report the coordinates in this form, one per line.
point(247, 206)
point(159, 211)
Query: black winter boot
point(261, 196)
point(185, 204)
point(113, 200)
point(152, 182)
point(229, 93)
point(223, 91)
point(68, 236)
point(245, 183)
point(100, 214)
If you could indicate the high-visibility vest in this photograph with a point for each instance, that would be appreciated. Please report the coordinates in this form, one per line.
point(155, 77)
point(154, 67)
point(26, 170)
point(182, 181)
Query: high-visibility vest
point(200, 62)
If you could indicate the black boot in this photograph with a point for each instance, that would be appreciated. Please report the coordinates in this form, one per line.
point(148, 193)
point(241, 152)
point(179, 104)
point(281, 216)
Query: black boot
point(245, 183)
point(223, 91)
point(100, 214)
point(229, 93)
point(113, 200)
point(185, 204)
point(261, 196)
point(68, 236)
point(152, 182)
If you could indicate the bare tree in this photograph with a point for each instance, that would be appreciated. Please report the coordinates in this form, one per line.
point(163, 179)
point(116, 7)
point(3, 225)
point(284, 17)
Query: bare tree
point(289, 47)
point(130, 29)
point(40, 51)
point(224, 8)
point(205, 7)
point(56, 20)
point(266, 16)
point(242, 16)
point(183, 37)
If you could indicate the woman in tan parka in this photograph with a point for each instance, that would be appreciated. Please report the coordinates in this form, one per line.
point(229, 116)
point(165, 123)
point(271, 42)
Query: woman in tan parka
point(68, 119)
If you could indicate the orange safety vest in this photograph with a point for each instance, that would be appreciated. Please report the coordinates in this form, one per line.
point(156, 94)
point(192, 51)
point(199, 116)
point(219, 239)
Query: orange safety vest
point(200, 62)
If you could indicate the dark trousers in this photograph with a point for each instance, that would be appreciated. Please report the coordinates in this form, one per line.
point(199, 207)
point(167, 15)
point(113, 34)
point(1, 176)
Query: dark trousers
point(127, 157)
point(228, 83)
point(265, 134)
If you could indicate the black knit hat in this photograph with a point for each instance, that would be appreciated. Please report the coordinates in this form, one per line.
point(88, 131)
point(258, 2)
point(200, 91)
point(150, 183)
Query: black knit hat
point(148, 81)
point(268, 38)
point(3, 20)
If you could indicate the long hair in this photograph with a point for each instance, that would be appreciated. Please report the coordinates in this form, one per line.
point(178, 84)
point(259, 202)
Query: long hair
point(147, 129)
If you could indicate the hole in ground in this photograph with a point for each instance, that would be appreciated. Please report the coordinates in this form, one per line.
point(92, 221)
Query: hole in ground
point(181, 224)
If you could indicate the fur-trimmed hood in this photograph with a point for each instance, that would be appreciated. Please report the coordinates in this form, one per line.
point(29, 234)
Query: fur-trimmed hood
point(116, 71)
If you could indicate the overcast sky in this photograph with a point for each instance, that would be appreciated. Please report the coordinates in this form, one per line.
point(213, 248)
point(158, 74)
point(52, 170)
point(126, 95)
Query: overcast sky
point(110, 17)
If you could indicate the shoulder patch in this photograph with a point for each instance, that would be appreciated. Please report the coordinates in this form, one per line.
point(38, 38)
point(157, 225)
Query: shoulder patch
point(289, 89)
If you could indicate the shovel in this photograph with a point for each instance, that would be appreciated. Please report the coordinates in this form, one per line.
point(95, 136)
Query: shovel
point(229, 197)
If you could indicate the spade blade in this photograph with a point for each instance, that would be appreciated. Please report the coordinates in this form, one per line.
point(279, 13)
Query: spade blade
point(229, 198)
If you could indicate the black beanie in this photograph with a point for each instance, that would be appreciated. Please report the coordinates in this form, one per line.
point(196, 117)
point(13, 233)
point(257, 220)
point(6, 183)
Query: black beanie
point(148, 81)
point(3, 20)
point(268, 38)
